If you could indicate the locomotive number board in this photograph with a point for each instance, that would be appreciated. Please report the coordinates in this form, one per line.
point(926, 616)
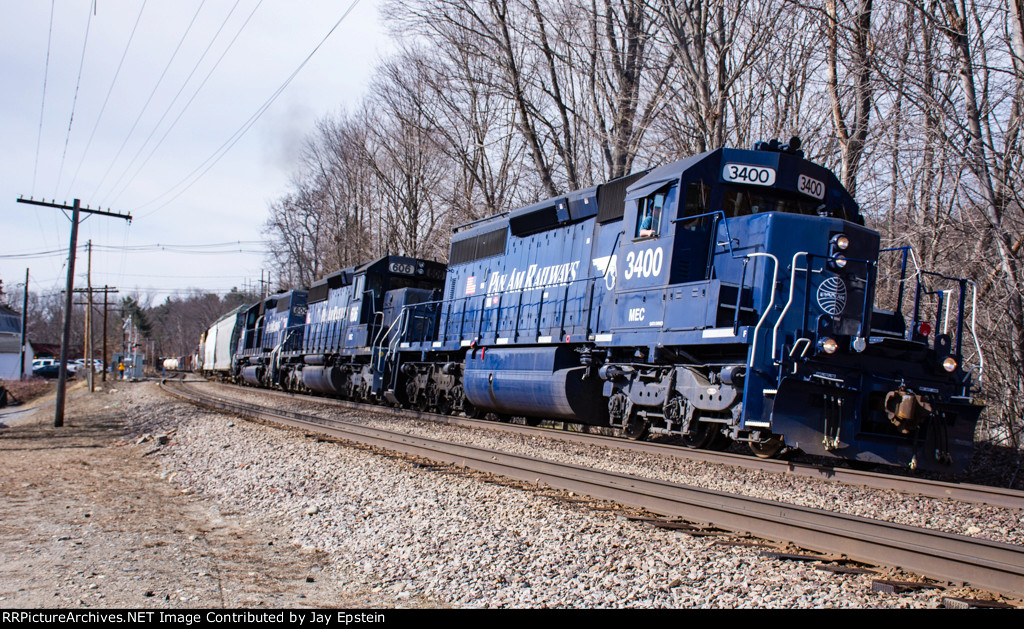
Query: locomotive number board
point(745, 173)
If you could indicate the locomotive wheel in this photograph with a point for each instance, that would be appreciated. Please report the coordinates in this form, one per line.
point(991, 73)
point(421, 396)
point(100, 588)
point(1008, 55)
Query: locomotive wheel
point(767, 449)
point(636, 428)
point(411, 395)
point(457, 400)
point(444, 406)
point(702, 435)
point(429, 399)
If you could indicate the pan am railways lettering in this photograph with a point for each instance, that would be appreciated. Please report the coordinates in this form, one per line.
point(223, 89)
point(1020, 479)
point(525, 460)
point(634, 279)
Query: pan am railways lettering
point(335, 313)
point(533, 277)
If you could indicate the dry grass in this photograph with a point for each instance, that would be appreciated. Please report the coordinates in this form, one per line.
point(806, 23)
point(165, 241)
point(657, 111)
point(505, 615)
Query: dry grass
point(26, 390)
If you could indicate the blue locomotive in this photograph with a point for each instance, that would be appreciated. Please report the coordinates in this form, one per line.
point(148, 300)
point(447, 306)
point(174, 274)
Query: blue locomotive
point(731, 296)
point(324, 338)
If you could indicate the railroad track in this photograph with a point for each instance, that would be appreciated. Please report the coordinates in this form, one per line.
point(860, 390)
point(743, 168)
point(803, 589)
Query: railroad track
point(963, 492)
point(984, 564)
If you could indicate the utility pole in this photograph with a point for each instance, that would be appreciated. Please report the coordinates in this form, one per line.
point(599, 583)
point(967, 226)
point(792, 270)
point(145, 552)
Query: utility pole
point(76, 210)
point(264, 285)
point(106, 364)
point(24, 327)
point(88, 320)
point(106, 290)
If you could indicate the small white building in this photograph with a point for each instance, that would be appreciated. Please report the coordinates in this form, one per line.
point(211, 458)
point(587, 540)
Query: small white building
point(10, 345)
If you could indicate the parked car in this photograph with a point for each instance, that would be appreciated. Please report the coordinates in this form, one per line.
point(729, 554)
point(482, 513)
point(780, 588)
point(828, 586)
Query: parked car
point(51, 370)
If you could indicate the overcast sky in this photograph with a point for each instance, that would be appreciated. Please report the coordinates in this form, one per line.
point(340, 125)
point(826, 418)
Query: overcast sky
point(104, 163)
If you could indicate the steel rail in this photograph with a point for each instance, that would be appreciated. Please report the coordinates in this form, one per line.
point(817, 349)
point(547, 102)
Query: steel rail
point(963, 492)
point(984, 564)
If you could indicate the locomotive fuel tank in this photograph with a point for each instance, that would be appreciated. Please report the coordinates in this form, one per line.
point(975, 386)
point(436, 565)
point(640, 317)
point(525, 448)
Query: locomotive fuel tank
point(534, 381)
point(328, 380)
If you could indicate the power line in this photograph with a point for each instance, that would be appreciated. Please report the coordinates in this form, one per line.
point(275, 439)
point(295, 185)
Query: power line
point(196, 249)
point(42, 106)
point(110, 90)
point(156, 290)
point(175, 99)
point(231, 141)
point(229, 243)
point(74, 101)
point(37, 254)
point(148, 100)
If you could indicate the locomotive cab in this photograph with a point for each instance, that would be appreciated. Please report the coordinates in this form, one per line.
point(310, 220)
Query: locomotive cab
point(273, 330)
point(351, 325)
point(690, 227)
point(745, 296)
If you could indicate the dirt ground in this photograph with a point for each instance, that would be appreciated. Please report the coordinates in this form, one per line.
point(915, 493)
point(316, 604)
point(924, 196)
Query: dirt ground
point(88, 521)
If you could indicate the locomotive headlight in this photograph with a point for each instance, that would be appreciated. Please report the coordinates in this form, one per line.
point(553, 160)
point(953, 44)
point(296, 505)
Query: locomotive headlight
point(842, 242)
point(829, 345)
point(949, 364)
point(839, 260)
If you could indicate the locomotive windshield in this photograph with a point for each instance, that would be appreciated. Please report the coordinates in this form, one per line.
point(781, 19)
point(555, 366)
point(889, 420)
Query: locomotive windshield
point(743, 202)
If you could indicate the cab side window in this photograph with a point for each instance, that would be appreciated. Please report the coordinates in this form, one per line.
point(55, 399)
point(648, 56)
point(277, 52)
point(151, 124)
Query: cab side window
point(649, 213)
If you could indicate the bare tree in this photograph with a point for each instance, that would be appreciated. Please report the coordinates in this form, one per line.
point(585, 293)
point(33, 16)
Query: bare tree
point(848, 36)
point(716, 44)
point(582, 83)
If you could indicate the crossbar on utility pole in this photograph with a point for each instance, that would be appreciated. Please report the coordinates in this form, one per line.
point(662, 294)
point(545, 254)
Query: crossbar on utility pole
point(90, 291)
point(76, 210)
point(106, 290)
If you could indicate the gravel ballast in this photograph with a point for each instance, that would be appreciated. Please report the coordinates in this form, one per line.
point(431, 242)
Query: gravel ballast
point(416, 536)
point(988, 522)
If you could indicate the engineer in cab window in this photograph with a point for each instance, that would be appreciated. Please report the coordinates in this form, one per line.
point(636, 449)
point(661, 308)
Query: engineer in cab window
point(650, 215)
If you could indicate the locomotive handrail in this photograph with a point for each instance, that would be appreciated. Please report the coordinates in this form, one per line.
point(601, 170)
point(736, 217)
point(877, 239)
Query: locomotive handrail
point(792, 287)
point(479, 220)
point(768, 308)
point(906, 249)
point(404, 318)
point(275, 354)
point(385, 335)
point(723, 220)
point(962, 282)
point(739, 292)
point(478, 320)
point(257, 337)
point(380, 329)
point(919, 272)
point(792, 291)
